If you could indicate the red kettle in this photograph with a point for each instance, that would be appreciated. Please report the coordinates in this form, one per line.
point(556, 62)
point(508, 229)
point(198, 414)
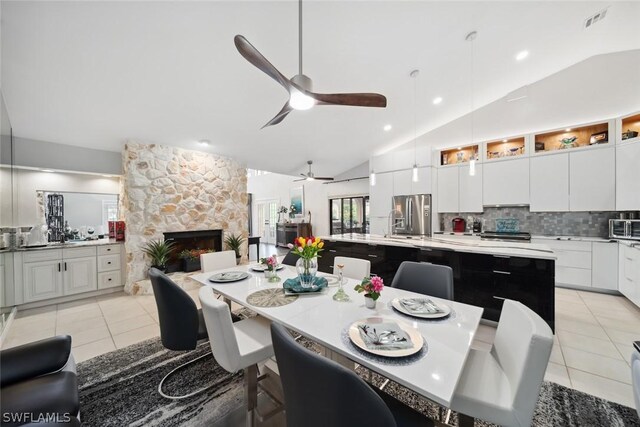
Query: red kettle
point(459, 225)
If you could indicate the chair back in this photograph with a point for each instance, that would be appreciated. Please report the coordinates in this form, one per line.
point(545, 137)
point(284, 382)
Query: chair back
point(290, 258)
point(217, 261)
point(177, 313)
point(222, 335)
point(424, 278)
point(635, 374)
point(522, 347)
point(354, 268)
point(318, 392)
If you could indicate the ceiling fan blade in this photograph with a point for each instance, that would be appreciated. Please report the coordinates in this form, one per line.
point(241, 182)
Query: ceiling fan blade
point(297, 180)
point(323, 178)
point(251, 54)
point(352, 99)
point(304, 174)
point(280, 116)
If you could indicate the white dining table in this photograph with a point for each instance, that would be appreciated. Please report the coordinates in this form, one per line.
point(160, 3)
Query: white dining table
point(318, 317)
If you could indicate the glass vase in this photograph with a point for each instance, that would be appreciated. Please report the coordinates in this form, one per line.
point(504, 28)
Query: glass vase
point(271, 275)
point(307, 269)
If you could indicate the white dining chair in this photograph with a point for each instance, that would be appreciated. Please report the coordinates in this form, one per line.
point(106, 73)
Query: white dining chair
point(635, 374)
point(217, 260)
point(238, 346)
point(502, 385)
point(354, 268)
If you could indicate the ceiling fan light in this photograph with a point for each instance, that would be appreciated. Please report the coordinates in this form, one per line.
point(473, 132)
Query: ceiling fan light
point(310, 178)
point(301, 101)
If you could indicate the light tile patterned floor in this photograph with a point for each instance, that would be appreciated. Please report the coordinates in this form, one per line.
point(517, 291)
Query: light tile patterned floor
point(591, 352)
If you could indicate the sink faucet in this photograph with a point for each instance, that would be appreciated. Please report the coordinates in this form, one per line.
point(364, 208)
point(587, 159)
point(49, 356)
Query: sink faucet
point(392, 218)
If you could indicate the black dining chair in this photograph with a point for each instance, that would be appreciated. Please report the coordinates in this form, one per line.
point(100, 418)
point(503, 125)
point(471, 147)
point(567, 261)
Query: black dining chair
point(290, 258)
point(182, 325)
point(319, 392)
point(424, 278)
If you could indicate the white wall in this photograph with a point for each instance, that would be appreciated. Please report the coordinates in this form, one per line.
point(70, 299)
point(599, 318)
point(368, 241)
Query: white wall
point(28, 182)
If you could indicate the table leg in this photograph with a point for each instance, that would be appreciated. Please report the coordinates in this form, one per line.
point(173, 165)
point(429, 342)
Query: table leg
point(258, 251)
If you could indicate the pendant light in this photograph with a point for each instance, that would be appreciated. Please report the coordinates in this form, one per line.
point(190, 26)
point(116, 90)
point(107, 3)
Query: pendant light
point(472, 161)
point(414, 174)
point(372, 178)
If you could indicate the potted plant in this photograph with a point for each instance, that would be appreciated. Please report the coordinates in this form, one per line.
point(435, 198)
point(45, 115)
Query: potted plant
point(307, 248)
point(191, 258)
point(159, 251)
point(271, 264)
point(234, 243)
point(372, 287)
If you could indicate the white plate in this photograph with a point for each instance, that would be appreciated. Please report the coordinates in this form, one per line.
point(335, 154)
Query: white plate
point(446, 310)
point(263, 268)
point(229, 276)
point(414, 334)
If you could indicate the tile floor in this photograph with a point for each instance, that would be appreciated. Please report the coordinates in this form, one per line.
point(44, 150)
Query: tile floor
point(591, 351)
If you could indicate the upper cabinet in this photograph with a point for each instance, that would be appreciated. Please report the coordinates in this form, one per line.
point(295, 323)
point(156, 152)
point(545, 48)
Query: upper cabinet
point(573, 137)
point(506, 183)
point(380, 195)
point(456, 156)
point(448, 190)
point(459, 190)
point(628, 177)
point(549, 183)
point(592, 180)
point(505, 148)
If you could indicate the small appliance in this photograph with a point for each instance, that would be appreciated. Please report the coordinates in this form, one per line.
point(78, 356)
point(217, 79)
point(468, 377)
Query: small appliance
point(477, 226)
point(459, 225)
point(624, 229)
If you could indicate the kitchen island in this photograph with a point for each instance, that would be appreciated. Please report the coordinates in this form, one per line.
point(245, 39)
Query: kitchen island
point(485, 273)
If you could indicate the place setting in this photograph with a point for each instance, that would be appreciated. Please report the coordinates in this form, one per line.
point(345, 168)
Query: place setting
point(423, 308)
point(229, 276)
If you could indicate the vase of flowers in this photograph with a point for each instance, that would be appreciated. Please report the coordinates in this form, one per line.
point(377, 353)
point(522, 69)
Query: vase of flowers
point(307, 248)
point(271, 263)
point(191, 258)
point(372, 287)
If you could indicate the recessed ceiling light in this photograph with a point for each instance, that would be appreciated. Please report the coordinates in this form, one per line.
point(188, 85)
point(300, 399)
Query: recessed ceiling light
point(204, 142)
point(387, 128)
point(47, 170)
point(567, 130)
point(505, 140)
point(459, 148)
point(437, 100)
point(522, 55)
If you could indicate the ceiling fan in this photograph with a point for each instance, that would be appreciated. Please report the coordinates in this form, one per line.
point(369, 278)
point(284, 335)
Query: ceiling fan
point(299, 86)
point(309, 176)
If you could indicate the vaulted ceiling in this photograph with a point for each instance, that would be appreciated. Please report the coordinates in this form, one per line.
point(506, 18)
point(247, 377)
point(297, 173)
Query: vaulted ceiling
point(95, 74)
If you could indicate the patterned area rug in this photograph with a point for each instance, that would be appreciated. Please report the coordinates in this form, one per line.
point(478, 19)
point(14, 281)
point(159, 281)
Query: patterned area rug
point(120, 389)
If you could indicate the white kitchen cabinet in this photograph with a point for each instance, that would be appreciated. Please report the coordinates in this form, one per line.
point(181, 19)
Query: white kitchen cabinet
point(403, 159)
point(628, 176)
point(380, 195)
point(402, 183)
point(604, 265)
point(80, 275)
point(629, 270)
point(506, 182)
point(425, 181)
point(42, 280)
point(592, 180)
point(549, 183)
point(470, 189)
point(448, 189)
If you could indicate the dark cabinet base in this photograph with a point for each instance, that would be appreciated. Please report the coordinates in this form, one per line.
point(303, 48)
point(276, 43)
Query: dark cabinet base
point(479, 279)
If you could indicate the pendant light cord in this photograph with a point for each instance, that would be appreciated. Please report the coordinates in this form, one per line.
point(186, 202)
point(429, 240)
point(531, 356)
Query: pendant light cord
point(300, 37)
point(415, 120)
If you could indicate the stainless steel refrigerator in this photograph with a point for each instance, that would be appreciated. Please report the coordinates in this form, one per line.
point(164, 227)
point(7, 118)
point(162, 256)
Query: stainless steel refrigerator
point(411, 215)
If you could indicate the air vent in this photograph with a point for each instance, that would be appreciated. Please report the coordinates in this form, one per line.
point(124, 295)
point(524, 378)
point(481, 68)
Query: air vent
point(594, 19)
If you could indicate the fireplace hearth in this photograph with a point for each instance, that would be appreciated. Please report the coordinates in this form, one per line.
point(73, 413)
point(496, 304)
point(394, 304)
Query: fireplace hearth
point(197, 239)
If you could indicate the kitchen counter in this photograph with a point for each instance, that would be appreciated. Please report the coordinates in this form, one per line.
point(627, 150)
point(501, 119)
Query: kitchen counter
point(78, 244)
point(448, 234)
point(459, 243)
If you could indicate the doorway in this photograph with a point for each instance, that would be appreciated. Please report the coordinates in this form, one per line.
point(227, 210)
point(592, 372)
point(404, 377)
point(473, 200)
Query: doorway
point(267, 211)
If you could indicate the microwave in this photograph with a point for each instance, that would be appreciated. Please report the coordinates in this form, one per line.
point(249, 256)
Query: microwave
point(624, 229)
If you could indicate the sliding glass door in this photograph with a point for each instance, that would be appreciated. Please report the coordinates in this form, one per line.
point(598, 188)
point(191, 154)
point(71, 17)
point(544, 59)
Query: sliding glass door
point(349, 215)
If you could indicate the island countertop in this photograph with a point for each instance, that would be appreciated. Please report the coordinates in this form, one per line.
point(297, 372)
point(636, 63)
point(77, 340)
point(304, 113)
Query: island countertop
point(518, 249)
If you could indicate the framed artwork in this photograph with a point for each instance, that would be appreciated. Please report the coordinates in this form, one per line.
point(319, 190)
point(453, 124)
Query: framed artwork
point(296, 195)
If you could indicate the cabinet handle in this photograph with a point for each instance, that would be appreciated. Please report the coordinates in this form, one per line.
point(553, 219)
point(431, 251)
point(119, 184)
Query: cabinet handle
point(372, 244)
point(501, 272)
point(109, 262)
point(109, 279)
point(65, 266)
point(59, 267)
point(332, 250)
point(500, 298)
point(108, 249)
point(372, 256)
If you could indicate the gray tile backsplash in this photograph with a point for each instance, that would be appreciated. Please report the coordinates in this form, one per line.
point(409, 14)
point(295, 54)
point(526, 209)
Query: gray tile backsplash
point(591, 224)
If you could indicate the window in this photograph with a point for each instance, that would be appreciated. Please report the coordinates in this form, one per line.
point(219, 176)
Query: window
point(349, 215)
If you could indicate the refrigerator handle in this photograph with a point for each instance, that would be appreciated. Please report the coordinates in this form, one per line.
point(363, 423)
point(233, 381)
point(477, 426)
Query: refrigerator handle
point(410, 214)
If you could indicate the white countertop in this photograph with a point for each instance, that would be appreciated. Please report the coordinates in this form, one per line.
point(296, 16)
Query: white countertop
point(471, 244)
point(318, 317)
point(76, 244)
point(534, 237)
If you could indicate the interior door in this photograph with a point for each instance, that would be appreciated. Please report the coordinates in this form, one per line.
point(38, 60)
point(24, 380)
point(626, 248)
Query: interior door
point(267, 212)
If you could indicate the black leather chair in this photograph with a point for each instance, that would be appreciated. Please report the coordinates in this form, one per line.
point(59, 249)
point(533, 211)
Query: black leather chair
point(424, 278)
point(39, 379)
point(290, 259)
point(181, 323)
point(319, 392)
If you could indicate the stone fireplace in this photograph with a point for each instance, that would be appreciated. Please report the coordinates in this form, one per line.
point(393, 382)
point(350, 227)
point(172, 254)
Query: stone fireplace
point(171, 190)
point(198, 239)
